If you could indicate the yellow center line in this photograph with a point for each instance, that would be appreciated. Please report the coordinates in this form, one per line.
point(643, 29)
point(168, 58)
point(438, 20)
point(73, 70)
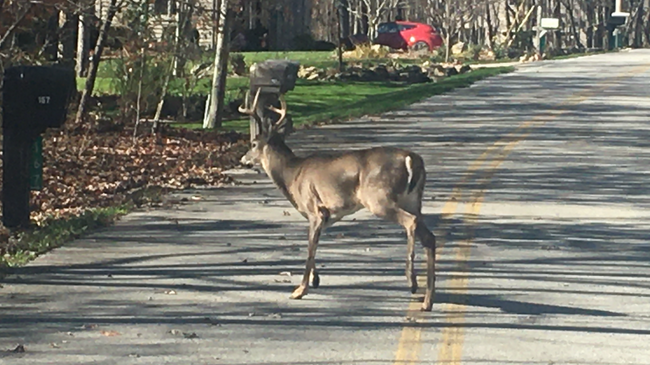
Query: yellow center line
point(409, 346)
point(408, 351)
point(451, 345)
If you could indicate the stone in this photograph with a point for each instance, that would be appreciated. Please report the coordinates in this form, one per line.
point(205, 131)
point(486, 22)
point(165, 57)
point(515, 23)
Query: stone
point(487, 55)
point(382, 72)
point(368, 75)
point(413, 68)
point(451, 71)
point(305, 72)
point(463, 69)
point(439, 71)
point(458, 48)
point(417, 78)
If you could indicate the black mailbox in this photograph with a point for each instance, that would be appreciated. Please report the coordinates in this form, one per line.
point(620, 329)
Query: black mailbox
point(274, 76)
point(36, 97)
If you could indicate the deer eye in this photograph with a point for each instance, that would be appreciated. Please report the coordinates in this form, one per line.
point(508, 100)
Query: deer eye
point(254, 145)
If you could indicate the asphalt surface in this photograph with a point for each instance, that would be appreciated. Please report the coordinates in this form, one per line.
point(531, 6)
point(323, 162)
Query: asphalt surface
point(537, 190)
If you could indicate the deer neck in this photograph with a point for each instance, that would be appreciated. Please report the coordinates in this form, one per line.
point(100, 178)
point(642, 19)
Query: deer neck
point(280, 164)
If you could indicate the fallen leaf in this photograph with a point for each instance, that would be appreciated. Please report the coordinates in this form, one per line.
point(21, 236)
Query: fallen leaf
point(190, 335)
point(110, 333)
point(19, 349)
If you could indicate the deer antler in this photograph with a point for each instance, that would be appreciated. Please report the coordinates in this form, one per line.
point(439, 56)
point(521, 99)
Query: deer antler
point(282, 111)
point(250, 111)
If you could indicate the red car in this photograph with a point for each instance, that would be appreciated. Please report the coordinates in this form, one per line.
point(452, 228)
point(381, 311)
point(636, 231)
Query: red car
point(408, 35)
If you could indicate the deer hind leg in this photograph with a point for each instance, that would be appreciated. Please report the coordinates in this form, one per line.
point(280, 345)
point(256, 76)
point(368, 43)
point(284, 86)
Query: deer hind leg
point(428, 240)
point(392, 212)
point(316, 224)
point(415, 227)
point(411, 276)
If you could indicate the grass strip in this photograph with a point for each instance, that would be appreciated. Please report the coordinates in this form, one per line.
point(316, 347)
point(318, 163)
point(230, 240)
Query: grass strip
point(27, 245)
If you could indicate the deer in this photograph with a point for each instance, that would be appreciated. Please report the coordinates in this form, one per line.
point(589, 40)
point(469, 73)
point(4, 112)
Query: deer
point(324, 188)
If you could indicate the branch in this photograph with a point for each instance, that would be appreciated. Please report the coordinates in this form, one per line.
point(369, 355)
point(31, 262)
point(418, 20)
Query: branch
point(10, 30)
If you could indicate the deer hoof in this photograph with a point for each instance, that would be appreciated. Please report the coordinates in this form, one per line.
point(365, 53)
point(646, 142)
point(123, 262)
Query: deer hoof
point(426, 306)
point(315, 281)
point(414, 288)
point(298, 293)
point(414, 284)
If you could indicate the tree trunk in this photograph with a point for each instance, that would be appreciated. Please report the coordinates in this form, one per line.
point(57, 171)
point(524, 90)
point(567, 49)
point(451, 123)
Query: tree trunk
point(344, 19)
point(82, 45)
point(646, 24)
point(489, 34)
point(217, 94)
point(173, 68)
point(94, 63)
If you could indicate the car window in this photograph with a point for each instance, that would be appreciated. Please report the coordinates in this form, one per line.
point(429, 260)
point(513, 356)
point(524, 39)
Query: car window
point(403, 27)
point(387, 28)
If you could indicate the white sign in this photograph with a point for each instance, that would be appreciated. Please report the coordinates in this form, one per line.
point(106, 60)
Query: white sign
point(550, 23)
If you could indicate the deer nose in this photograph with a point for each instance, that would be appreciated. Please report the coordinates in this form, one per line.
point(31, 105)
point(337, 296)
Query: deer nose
point(245, 160)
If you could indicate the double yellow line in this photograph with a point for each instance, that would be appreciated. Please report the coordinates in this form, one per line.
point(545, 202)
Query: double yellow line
point(451, 344)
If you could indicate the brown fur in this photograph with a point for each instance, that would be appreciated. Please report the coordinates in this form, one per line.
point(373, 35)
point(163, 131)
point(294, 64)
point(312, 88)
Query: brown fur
point(326, 188)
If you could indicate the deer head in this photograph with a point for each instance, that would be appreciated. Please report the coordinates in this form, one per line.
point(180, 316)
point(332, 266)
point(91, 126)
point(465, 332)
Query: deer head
point(267, 135)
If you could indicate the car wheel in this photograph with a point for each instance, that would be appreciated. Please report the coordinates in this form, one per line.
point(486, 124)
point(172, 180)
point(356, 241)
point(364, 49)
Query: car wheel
point(420, 47)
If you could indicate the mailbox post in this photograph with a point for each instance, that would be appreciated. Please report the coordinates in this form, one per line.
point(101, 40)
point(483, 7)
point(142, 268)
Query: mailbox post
point(34, 98)
point(272, 78)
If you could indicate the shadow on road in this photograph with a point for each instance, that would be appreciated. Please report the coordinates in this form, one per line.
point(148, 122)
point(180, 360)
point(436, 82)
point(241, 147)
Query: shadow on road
point(222, 270)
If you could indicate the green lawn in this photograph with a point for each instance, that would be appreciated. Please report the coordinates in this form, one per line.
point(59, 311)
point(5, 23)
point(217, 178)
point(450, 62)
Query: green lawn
point(323, 101)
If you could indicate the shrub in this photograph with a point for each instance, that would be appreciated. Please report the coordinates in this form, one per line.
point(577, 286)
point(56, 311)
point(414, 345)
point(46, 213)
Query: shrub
point(364, 51)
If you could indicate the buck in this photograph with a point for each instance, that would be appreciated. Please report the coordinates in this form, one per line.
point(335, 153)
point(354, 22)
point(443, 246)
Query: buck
point(389, 182)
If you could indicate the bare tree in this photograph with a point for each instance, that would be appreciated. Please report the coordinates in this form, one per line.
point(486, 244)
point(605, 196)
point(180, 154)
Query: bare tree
point(215, 102)
point(372, 12)
point(96, 58)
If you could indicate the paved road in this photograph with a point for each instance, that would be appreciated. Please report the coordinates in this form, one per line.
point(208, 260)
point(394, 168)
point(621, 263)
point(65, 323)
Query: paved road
point(537, 189)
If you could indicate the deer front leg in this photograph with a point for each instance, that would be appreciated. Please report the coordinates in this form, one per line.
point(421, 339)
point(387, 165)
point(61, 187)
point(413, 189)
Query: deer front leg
point(315, 228)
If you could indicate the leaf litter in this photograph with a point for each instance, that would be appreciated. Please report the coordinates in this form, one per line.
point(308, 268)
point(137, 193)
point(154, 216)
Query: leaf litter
point(84, 169)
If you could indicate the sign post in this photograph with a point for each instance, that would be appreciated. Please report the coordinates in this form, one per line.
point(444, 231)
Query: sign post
point(36, 165)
